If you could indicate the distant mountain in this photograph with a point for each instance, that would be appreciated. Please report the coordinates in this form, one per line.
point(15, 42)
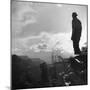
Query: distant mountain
point(31, 60)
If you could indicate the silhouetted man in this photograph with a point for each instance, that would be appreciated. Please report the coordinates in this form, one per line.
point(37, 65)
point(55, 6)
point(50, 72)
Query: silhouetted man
point(76, 33)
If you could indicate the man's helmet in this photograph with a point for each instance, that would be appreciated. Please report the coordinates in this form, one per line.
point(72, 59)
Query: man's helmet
point(74, 14)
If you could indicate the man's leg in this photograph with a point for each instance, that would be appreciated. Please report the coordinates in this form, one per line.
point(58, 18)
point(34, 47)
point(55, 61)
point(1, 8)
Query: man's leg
point(76, 47)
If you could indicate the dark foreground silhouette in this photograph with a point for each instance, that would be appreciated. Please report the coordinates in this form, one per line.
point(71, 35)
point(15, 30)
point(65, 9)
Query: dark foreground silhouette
point(35, 73)
point(28, 73)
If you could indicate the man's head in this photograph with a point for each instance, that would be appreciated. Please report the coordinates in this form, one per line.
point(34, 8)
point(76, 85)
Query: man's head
point(74, 14)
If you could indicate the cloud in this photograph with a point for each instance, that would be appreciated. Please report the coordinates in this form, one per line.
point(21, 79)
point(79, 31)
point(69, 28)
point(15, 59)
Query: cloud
point(46, 41)
point(22, 15)
point(40, 47)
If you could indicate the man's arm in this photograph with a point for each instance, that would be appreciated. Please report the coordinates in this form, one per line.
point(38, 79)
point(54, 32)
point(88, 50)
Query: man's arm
point(73, 30)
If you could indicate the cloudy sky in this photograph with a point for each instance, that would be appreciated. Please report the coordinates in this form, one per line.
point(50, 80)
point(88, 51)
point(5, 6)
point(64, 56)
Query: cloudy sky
point(39, 28)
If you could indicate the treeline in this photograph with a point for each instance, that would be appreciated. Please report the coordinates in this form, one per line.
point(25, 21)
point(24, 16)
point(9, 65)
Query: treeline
point(28, 74)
